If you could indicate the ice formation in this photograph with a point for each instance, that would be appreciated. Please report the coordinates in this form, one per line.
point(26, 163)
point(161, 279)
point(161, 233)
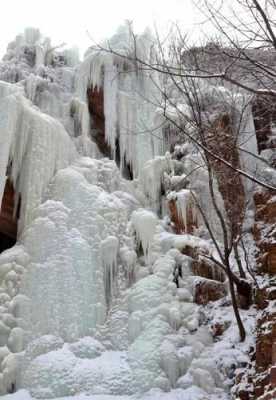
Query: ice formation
point(186, 206)
point(129, 261)
point(144, 223)
point(153, 176)
point(109, 251)
point(89, 307)
point(131, 97)
point(35, 145)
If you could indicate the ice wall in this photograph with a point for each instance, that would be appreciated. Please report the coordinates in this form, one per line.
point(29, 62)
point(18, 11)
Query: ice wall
point(34, 145)
point(131, 96)
point(88, 301)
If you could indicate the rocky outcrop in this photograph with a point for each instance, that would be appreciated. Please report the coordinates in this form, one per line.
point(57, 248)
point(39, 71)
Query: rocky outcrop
point(206, 290)
point(180, 226)
point(221, 140)
point(264, 115)
point(8, 218)
point(95, 99)
point(210, 284)
point(201, 265)
point(265, 231)
point(205, 268)
point(264, 379)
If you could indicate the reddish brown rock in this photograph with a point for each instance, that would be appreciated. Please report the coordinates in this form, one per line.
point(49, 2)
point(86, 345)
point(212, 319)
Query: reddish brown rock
point(244, 395)
point(271, 261)
point(178, 223)
point(207, 269)
point(95, 97)
point(193, 250)
point(221, 140)
point(264, 378)
point(207, 290)
point(264, 231)
point(269, 396)
point(8, 216)
point(261, 298)
point(273, 377)
point(264, 113)
point(218, 328)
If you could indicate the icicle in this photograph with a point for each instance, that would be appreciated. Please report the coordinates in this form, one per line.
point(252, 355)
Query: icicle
point(144, 223)
point(80, 114)
point(130, 98)
point(37, 147)
point(31, 86)
point(110, 105)
point(152, 178)
point(129, 259)
point(109, 251)
point(186, 206)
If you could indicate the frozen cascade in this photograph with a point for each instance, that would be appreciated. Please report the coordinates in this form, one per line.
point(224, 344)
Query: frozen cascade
point(62, 299)
point(35, 145)
point(109, 251)
point(144, 223)
point(129, 261)
point(130, 99)
point(82, 313)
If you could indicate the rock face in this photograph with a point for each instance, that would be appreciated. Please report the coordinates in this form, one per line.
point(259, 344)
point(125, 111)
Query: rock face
point(220, 139)
point(210, 285)
point(179, 225)
point(264, 113)
point(265, 231)
point(8, 218)
point(265, 236)
point(206, 290)
point(95, 98)
point(207, 269)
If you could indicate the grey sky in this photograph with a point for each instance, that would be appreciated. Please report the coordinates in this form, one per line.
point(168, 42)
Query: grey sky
point(68, 21)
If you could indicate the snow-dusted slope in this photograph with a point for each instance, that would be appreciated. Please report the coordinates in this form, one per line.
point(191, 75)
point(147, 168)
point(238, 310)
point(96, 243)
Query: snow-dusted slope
point(56, 299)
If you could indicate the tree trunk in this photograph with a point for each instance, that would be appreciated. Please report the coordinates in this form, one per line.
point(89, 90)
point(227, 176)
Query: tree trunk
point(235, 303)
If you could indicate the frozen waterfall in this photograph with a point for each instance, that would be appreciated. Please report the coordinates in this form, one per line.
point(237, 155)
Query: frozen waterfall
point(89, 305)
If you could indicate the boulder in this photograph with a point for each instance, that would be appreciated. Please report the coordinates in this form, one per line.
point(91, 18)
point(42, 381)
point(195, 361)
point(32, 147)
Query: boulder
point(206, 290)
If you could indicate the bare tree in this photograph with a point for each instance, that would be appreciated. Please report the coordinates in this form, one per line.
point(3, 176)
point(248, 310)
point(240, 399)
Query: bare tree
point(243, 60)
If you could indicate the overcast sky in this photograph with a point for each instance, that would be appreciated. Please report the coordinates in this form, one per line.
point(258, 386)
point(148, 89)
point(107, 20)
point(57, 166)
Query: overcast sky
point(68, 21)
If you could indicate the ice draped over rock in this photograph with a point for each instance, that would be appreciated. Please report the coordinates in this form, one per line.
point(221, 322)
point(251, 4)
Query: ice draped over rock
point(131, 95)
point(33, 144)
point(96, 298)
